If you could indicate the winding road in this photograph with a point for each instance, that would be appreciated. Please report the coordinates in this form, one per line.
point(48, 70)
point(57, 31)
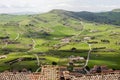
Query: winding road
point(90, 50)
point(37, 58)
point(18, 35)
point(88, 58)
point(34, 44)
point(38, 61)
point(33, 47)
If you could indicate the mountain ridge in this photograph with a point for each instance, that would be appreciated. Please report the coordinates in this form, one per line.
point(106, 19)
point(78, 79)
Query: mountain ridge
point(116, 10)
point(109, 17)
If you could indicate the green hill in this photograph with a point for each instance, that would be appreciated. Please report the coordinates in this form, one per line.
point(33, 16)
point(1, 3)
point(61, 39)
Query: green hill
point(111, 17)
point(54, 35)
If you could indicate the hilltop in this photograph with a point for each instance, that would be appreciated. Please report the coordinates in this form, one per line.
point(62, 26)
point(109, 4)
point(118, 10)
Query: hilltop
point(111, 17)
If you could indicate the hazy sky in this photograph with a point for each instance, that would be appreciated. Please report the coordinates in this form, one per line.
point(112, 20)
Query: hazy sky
point(11, 6)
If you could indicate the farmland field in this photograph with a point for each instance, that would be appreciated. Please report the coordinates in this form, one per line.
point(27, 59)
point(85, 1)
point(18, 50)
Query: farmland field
point(52, 37)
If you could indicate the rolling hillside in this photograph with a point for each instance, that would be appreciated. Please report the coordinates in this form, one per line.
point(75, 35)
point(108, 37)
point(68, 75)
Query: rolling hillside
point(53, 36)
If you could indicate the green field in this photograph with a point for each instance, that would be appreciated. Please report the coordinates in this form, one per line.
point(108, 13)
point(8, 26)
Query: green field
point(43, 35)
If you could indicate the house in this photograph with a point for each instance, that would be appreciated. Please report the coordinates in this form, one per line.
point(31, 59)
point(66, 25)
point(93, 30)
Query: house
point(50, 72)
point(76, 59)
point(87, 38)
point(3, 57)
point(66, 40)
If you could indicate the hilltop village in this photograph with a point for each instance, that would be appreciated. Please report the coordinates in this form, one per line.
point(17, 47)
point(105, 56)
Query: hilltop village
point(54, 72)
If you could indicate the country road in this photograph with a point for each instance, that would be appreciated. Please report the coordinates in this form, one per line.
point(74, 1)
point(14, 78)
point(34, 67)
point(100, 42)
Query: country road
point(33, 47)
point(88, 56)
point(90, 49)
point(34, 43)
point(18, 35)
point(38, 61)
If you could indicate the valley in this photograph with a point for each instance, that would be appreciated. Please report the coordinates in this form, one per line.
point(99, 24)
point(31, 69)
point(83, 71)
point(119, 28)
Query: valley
point(28, 41)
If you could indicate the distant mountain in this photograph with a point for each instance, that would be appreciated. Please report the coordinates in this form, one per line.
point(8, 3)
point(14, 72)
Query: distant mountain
point(110, 17)
point(116, 10)
point(22, 13)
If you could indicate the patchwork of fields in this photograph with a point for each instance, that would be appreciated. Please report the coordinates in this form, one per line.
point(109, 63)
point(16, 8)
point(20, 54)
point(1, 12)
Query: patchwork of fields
point(54, 38)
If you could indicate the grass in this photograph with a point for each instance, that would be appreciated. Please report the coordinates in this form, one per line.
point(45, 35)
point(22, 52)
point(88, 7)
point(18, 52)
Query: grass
point(57, 31)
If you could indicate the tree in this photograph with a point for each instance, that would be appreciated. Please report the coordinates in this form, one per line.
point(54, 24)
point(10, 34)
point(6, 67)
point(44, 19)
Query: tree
point(87, 68)
point(70, 68)
point(73, 49)
point(98, 70)
point(54, 63)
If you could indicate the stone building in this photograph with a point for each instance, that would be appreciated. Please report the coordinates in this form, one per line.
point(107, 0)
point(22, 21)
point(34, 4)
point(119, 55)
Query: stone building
point(50, 72)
